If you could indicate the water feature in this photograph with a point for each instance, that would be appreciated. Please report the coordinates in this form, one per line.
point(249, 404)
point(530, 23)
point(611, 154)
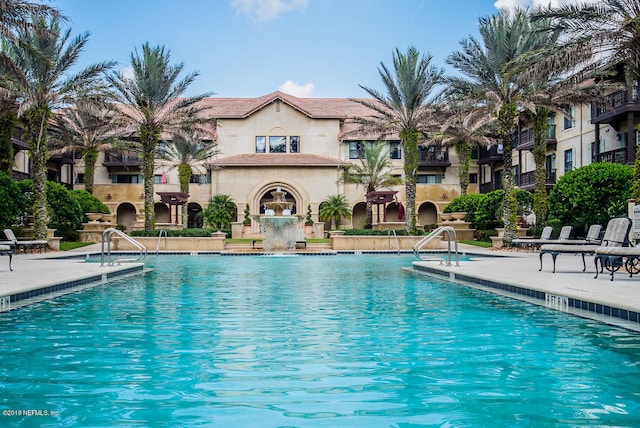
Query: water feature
point(310, 341)
point(278, 225)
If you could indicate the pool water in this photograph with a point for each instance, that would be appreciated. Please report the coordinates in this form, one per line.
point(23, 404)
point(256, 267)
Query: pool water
point(322, 341)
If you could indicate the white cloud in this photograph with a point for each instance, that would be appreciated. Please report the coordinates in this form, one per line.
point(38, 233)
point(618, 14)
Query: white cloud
point(292, 88)
point(267, 10)
point(525, 4)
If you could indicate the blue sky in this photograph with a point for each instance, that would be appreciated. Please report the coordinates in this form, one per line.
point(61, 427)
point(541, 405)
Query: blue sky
point(249, 48)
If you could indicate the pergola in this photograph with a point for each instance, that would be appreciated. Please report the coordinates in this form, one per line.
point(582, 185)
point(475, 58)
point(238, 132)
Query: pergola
point(381, 197)
point(176, 199)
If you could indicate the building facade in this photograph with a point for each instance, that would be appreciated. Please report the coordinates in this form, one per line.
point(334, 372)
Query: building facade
point(300, 145)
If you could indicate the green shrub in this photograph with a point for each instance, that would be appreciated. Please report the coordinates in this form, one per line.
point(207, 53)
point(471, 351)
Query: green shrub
point(89, 203)
point(65, 213)
point(372, 232)
point(14, 205)
point(184, 233)
point(466, 203)
point(490, 210)
point(592, 194)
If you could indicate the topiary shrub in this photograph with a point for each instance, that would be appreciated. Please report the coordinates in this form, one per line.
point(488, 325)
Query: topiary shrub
point(591, 194)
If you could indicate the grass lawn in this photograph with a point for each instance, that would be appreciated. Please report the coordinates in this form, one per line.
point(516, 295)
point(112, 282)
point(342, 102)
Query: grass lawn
point(66, 246)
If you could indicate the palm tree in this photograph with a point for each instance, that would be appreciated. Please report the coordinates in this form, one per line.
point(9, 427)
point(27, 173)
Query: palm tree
point(19, 16)
point(608, 31)
point(220, 212)
point(373, 172)
point(88, 128)
point(152, 104)
point(186, 151)
point(406, 110)
point(334, 208)
point(492, 81)
point(43, 56)
point(464, 127)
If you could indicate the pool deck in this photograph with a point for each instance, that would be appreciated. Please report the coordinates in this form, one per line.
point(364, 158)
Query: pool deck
point(40, 276)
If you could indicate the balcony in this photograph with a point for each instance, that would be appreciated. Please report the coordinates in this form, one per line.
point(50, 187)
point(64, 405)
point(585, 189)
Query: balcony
point(114, 160)
point(615, 107)
point(527, 180)
point(526, 138)
point(432, 157)
point(490, 154)
point(490, 186)
point(612, 156)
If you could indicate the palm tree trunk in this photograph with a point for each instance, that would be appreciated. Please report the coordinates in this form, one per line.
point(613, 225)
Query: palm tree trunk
point(539, 152)
point(148, 139)
point(37, 119)
point(410, 147)
point(463, 150)
point(507, 126)
point(184, 176)
point(90, 158)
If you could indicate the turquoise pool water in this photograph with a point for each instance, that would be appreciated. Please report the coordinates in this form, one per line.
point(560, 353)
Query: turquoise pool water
point(325, 341)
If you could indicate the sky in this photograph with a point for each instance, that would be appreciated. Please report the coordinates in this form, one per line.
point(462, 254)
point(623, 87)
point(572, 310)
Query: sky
point(307, 48)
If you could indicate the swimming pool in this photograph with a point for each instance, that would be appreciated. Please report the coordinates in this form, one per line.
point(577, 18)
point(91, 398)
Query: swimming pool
point(309, 341)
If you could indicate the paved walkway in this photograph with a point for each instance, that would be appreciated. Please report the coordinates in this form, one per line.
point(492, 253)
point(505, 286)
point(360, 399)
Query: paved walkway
point(508, 269)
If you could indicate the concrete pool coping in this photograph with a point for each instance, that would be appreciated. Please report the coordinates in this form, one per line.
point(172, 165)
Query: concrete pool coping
point(510, 273)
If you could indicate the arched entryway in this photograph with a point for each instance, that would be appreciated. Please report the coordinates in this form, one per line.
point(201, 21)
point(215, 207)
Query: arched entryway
point(359, 216)
point(126, 216)
point(288, 197)
point(395, 212)
point(194, 219)
point(162, 212)
point(427, 214)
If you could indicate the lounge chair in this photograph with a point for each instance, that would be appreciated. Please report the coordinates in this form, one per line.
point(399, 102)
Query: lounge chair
point(545, 238)
point(533, 242)
point(613, 258)
point(616, 235)
point(6, 250)
point(24, 245)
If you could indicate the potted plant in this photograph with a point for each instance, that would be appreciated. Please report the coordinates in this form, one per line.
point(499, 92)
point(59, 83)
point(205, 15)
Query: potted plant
point(308, 222)
point(246, 222)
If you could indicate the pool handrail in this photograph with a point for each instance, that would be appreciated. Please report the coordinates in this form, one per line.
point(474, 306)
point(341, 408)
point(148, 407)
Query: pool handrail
point(162, 231)
point(106, 235)
point(436, 232)
point(395, 237)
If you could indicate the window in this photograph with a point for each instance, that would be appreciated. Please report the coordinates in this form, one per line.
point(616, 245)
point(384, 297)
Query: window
point(395, 150)
point(294, 144)
point(126, 179)
point(157, 179)
point(473, 178)
point(356, 150)
point(568, 160)
point(568, 121)
point(277, 144)
point(80, 178)
point(429, 179)
point(261, 144)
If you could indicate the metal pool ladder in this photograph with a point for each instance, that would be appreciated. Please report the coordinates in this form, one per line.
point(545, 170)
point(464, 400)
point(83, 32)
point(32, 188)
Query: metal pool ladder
point(436, 232)
point(162, 232)
point(106, 236)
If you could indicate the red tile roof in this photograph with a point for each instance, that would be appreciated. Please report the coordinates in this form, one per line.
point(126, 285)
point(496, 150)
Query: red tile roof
point(276, 159)
point(316, 108)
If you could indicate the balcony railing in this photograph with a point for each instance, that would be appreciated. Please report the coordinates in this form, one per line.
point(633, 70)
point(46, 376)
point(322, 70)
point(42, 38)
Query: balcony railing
point(613, 105)
point(528, 179)
point(433, 157)
point(493, 153)
point(526, 137)
point(612, 156)
point(123, 160)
